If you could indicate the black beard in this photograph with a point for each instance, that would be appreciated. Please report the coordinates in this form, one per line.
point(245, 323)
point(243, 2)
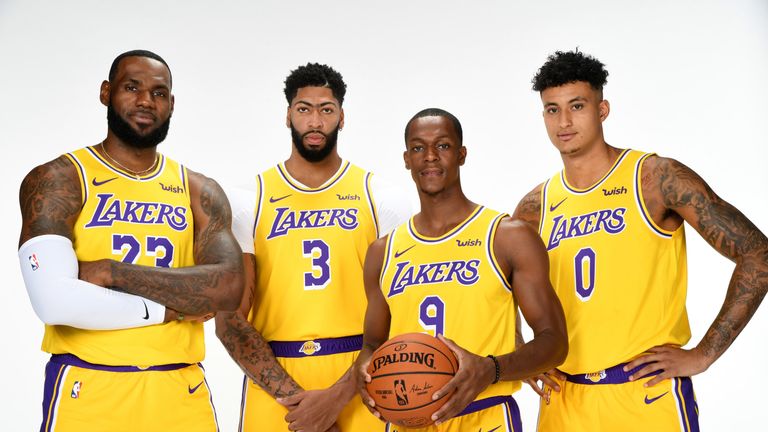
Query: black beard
point(314, 155)
point(128, 134)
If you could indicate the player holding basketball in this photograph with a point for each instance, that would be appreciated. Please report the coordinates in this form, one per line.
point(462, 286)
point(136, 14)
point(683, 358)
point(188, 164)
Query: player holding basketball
point(155, 233)
point(612, 222)
point(315, 215)
point(457, 269)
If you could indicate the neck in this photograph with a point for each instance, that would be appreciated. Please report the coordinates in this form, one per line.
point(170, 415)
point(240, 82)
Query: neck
point(442, 212)
point(583, 170)
point(312, 174)
point(136, 160)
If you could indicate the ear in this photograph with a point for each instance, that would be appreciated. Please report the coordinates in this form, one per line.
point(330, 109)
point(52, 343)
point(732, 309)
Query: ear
point(462, 155)
point(341, 119)
point(104, 92)
point(605, 109)
point(405, 159)
point(173, 103)
point(288, 117)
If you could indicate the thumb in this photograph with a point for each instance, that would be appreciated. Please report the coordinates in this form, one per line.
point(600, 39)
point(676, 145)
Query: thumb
point(290, 400)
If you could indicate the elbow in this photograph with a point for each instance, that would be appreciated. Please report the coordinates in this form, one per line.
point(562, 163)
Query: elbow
point(561, 349)
point(232, 282)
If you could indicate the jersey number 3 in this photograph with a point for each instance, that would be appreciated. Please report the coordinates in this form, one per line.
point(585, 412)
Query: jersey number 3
point(159, 247)
point(320, 254)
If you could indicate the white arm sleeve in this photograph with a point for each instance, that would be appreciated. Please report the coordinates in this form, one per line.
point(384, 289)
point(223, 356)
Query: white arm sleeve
point(392, 205)
point(49, 267)
point(243, 203)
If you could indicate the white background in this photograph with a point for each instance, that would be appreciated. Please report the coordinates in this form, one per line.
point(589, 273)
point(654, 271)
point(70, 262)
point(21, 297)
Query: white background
point(688, 79)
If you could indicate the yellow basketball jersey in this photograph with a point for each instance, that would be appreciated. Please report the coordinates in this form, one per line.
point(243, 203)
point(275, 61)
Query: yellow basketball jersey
point(144, 221)
point(620, 278)
point(310, 245)
point(452, 285)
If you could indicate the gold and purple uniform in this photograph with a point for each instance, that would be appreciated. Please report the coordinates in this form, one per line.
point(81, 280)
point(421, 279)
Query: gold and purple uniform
point(309, 304)
point(622, 282)
point(453, 285)
point(144, 378)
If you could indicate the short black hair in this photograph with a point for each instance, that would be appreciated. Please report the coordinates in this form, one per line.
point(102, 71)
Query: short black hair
point(315, 75)
point(437, 112)
point(567, 67)
point(137, 53)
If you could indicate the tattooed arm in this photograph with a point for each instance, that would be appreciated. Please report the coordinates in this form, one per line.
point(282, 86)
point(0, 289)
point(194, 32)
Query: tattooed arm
point(50, 201)
point(673, 193)
point(529, 208)
point(247, 347)
point(213, 284)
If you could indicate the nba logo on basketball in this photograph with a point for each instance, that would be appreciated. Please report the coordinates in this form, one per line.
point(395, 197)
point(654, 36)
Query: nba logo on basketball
point(33, 262)
point(76, 390)
point(402, 396)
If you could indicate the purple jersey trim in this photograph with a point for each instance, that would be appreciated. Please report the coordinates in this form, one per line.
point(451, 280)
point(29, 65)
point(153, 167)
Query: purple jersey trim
point(613, 375)
point(689, 409)
point(449, 234)
point(327, 346)
point(491, 256)
point(159, 168)
point(81, 171)
point(53, 375)
point(71, 360)
point(639, 200)
point(514, 422)
point(287, 178)
point(599, 182)
point(371, 205)
point(543, 211)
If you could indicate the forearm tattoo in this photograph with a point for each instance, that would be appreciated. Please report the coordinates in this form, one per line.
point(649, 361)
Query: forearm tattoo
point(727, 230)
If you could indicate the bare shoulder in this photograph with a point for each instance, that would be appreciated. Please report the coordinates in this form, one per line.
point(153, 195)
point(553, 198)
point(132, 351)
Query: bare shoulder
point(207, 196)
point(529, 207)
point(50, 199)
point(672, 182)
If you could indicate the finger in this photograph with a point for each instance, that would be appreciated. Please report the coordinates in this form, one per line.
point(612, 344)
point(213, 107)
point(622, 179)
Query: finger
point(455, 348)
point(290, 400)
point(445, 412)
point(646, 370)
point(640, 361)
point(446, 389)
point(546, 380)
point(535, 386)
point(557, 374)
point(367, 399)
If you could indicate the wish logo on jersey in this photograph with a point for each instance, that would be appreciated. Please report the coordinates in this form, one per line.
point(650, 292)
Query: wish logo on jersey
point(464, 272)
point(287, 220)
point(612, 221)
point(109, 211)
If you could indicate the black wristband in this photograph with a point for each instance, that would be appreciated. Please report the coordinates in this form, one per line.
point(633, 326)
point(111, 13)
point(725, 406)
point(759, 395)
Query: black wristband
point(496, 365)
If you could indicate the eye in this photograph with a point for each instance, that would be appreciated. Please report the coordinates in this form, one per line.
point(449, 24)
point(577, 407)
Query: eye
point(577, 106)
point(417, 148)
point(327, 110)
point(551, 110)
point(130, 87)
point(302, 109)
point(443, 146)
point(159, 93)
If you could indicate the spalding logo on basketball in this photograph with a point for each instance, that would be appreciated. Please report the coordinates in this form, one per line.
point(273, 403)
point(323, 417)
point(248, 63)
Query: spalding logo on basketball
point(405, 371)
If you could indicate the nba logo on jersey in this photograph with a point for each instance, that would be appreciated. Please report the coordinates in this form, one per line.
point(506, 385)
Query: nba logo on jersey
point(310, 347)
point(33, 262)
point(76, 390)
point(596, 377)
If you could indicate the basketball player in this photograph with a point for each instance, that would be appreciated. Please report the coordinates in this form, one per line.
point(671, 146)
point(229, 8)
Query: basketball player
point(458, 269)
point(315, 215)
point(155, 233)
point(612, 222)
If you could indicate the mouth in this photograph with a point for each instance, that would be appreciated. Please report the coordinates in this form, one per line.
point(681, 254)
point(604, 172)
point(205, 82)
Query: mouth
point(314, 138)
point(566, 136)
point(143, 119)
point(431, 172)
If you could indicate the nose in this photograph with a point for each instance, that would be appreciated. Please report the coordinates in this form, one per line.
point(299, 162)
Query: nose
point(315, 121)
point(145, 99)
point(430, 154)
point(565, 119)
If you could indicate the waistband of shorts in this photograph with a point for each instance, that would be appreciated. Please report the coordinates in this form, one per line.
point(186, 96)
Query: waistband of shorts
point(482, 404)
point(317, 347)
point(73, 360)
point(612, 375)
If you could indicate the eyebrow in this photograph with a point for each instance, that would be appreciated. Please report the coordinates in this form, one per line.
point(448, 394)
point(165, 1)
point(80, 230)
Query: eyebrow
point(302, 102)
point(576, 99)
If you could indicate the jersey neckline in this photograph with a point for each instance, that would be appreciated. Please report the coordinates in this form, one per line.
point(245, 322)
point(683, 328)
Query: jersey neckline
point(149, 176)
point(453, 231)
point(576, 190)
point(297, 185)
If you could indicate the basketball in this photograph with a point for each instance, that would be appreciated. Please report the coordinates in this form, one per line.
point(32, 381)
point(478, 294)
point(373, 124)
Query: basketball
point(405, 371)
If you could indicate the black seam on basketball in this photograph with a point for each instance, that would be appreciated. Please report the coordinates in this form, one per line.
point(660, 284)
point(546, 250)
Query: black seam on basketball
point(381, 408)
point(411, 373)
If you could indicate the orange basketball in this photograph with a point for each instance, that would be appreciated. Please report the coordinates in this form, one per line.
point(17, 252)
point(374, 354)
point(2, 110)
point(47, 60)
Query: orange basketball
point(405, 371)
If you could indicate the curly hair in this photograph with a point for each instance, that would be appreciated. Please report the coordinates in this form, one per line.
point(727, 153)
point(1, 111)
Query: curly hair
point(567, 67)
point(436, 112)
point(315, 75)
point(136, 53)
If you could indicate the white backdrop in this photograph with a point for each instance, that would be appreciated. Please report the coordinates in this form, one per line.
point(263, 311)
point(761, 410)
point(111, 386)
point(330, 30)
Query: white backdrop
point(687, 80)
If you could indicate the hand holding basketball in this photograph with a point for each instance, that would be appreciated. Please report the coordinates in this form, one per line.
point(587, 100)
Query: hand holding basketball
point(474, 375)
point(404, 374)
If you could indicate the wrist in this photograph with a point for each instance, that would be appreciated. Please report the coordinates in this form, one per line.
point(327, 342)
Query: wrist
point(496, 369)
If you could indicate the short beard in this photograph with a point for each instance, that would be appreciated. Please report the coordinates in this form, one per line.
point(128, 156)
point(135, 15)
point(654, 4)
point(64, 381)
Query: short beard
point(128, 134)
point(314, 155)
